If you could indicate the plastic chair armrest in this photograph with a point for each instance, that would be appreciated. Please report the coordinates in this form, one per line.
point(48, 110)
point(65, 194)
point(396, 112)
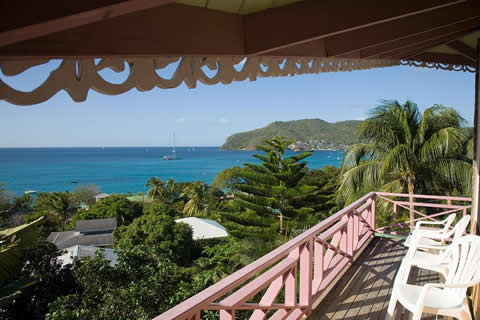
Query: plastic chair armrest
point(419, 223)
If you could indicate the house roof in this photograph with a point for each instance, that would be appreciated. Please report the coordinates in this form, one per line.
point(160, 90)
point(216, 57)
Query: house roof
point(67, 239)
point(96, 232)
point(78, 252)
point(204, 228)
point(96, 225)
point(102, 195)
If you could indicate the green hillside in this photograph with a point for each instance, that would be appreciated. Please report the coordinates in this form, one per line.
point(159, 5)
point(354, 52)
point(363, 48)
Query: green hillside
point(330, 135)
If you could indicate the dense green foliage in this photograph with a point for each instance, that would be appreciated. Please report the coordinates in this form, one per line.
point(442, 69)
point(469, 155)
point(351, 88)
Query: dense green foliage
point(142, 285)
point(337, 134)
point(403, 150)
point(62, 205)
point(114, 206)
point(46, 280)
point(86, 194)
point(272, 188)
point(228, 178)
point(161, 234)
point(196, 193)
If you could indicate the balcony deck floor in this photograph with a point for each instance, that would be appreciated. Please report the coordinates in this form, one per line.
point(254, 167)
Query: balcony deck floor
point(364, 290)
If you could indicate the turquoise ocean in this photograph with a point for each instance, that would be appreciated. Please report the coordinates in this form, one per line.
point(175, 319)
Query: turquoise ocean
point(122, 170)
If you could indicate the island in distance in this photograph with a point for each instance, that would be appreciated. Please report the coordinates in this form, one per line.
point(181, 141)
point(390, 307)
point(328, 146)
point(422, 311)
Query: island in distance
point(309, 134)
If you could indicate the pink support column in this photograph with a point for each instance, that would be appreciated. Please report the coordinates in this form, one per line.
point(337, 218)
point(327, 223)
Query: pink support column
point(372, 214)
point(291, 287)
point(305, 292)
point(350, 234)
point(227, 314)
point(356, 226)
point(394, 213)
point(318, 265)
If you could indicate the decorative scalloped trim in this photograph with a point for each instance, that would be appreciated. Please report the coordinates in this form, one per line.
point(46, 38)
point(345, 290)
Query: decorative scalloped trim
point(437, 65)
point(78, 76)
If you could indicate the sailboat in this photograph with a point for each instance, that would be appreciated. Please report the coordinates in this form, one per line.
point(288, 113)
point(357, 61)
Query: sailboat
point(172, 156)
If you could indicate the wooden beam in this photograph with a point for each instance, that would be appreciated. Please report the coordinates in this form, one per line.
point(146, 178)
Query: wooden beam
point(423, 46)
point(463, 49)
point(431, 23)
point(167, 30)
point(64, 17)
point(476, 148)
point(418, 39)
point(475, 224)
point(311, 20)
point(409, 30)
point(170, 30)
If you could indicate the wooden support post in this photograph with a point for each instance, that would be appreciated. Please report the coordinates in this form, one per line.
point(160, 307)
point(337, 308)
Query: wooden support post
point(305, 290)
point(476, 178)
point(476, 150)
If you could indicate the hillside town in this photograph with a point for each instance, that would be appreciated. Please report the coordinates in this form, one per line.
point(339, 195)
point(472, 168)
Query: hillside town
point(314, 144)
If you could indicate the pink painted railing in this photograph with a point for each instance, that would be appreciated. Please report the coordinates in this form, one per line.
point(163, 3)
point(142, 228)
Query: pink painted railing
point(403, 206)
point(285, 283)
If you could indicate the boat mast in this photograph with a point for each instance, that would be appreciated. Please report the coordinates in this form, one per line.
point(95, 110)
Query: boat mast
point(173, 143)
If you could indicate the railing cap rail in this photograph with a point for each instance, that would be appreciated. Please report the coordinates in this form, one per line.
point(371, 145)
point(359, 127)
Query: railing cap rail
point(423, 196)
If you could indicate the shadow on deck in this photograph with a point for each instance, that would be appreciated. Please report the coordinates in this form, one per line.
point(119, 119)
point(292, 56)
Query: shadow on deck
point(364, 290)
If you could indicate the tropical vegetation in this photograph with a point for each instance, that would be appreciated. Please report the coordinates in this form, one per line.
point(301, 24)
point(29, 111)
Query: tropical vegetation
point(262, 204)
point(402, 150)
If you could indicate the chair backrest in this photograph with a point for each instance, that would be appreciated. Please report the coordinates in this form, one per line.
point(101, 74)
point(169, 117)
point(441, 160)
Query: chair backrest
point(464, 255)
point(460, 227)
point(448, 222)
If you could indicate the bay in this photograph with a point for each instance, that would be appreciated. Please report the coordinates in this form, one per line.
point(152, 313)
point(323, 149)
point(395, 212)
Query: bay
point(122, 170)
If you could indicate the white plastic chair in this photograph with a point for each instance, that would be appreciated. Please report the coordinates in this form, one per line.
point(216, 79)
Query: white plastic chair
point(449, 298)
point(435, 239)
point(435, 258)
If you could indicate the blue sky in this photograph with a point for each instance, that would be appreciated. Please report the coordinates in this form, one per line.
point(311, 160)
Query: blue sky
point(207, 115)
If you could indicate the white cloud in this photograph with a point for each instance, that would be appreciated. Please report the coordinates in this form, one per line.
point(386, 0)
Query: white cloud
point(180, 121)
point(361, 118)
point(223, 121)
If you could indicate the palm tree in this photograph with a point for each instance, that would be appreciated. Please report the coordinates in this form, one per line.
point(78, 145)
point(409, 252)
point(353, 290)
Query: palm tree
point(156, 190)
point(63, 205)
point(195, 192)
point(170, 190)
point(404, 150)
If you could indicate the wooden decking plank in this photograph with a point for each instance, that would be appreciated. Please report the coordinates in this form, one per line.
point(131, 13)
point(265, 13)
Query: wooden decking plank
point(364, 291)
point(379, 309)
point(357, 284)
point(329, 305)
point(376, 294)
point(327, 308)
point(361, 294)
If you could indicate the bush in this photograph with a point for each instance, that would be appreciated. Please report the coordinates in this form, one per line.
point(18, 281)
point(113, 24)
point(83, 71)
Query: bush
point(161, 234)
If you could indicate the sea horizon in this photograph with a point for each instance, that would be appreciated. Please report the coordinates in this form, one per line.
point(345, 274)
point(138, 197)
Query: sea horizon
point(124, 169)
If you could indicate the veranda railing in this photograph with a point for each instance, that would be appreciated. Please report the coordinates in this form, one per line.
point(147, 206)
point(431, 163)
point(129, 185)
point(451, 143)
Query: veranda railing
point(420, 207)
point(293, 276)
point(287, 282)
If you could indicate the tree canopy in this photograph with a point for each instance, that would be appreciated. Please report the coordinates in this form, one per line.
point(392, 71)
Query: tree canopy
point(142, 285)
point(113, 206)
point(403, 150)
point(161, 234)
point(273, 188)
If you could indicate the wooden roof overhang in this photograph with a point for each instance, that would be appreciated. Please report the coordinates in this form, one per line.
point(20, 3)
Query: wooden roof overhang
point(236, 39)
